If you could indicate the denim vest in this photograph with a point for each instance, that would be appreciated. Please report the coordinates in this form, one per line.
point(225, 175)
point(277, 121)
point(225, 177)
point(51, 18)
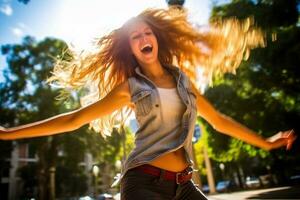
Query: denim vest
point(150, 141)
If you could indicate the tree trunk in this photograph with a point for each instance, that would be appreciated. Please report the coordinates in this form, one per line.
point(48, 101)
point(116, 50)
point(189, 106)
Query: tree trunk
point(41, 171)
point(53, 150)
point(196, 176)
point(52, 183)
point(210, 175)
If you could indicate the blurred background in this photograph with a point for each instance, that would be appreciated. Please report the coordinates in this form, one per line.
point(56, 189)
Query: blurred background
point(264, 95)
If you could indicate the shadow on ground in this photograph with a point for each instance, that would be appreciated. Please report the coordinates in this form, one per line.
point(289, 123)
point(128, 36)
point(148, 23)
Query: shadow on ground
point(286, 193)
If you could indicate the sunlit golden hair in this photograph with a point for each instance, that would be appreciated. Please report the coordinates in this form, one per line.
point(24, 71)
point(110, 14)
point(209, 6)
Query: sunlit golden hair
point(217, 48)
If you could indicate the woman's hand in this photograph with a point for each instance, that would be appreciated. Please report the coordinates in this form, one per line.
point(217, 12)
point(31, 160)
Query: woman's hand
point(282, 138)
point(228, 126)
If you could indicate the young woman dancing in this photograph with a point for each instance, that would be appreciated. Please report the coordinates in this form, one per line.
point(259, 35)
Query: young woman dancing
point(133, 68)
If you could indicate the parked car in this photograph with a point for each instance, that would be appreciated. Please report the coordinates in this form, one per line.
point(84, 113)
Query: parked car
point(268, 180)
point(76, 198)
point(205, 189)
point(225, 186)
point(85, 198)
point(105, 196)
point(252, 182)
point(295, 179)
point(117, 196)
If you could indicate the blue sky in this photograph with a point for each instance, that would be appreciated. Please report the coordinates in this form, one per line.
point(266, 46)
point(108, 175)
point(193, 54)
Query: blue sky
point(77, 21)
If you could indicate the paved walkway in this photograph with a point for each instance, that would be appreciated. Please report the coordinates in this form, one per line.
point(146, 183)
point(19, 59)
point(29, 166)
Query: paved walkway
point(271, 193)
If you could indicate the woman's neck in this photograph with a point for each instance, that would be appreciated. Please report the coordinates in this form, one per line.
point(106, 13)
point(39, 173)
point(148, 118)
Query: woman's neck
point(158, 75)
point(153, 70)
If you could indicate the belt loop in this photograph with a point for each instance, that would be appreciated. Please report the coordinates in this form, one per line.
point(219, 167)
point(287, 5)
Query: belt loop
point(162, 175)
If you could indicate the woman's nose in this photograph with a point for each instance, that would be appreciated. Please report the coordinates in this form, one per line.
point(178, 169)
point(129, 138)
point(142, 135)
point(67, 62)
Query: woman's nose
point(144, 38)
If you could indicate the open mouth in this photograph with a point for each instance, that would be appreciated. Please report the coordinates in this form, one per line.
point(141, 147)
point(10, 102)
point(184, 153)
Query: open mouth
point(147, 49)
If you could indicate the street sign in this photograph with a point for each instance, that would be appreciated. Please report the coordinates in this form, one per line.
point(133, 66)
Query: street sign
point(197, 133)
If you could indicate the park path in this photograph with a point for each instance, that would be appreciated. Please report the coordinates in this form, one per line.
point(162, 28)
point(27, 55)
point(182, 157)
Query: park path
point(289, 192)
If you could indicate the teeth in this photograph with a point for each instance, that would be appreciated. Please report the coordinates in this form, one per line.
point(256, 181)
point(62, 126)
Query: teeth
point(146, 45)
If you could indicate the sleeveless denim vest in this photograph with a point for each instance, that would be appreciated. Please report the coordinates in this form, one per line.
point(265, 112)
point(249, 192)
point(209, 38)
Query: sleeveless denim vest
point(150, 139)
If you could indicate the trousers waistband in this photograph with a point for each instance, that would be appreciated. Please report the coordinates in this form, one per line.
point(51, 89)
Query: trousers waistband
point(178, 177)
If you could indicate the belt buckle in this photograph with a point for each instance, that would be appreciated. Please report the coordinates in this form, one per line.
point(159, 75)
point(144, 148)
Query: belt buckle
point(184, 173)
point(177, 180)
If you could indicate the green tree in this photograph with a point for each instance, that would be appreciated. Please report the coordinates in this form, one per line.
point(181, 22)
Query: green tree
point(265, 93)
point(26, 97)
point(108, 151)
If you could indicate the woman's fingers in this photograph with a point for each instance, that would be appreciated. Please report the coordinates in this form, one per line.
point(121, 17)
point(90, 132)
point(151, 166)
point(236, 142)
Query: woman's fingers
point(283, 138)
point(291, 137)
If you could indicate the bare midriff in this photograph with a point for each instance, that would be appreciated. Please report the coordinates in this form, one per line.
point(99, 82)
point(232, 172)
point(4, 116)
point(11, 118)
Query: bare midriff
point(174, 161)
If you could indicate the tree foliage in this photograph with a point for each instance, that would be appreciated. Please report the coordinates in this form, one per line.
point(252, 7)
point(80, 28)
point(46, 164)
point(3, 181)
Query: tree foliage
point(26, 97)
point(265, 93)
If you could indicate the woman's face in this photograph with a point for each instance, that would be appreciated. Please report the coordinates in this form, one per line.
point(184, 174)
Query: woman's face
point(143, 43)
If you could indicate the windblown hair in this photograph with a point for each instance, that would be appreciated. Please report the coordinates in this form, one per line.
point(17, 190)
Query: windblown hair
point(217, 48)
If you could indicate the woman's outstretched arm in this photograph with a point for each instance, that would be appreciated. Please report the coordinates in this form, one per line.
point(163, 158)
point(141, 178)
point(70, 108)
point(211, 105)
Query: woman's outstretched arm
point(228, 126)
point(117, 98)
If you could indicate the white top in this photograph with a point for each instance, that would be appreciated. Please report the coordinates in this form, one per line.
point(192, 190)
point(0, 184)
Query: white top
point(172, 108)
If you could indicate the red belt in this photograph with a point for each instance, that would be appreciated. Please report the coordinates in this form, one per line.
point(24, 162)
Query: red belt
point(179, 177)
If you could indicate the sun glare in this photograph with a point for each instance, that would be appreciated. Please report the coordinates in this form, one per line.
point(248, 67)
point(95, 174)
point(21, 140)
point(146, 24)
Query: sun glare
point(81, 21)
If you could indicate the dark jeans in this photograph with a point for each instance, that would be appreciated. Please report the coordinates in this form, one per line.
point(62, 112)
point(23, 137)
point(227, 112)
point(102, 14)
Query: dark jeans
point(137, 185)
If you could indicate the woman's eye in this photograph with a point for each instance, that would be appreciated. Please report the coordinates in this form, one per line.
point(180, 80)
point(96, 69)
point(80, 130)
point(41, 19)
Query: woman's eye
point(148, 33)
point(136, 37)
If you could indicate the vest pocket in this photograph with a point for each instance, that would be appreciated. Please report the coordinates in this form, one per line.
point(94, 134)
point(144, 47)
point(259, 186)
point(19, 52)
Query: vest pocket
point(142, 101)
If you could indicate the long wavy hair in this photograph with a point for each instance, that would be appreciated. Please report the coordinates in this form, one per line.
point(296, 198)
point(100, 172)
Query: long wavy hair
point(217, 48)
